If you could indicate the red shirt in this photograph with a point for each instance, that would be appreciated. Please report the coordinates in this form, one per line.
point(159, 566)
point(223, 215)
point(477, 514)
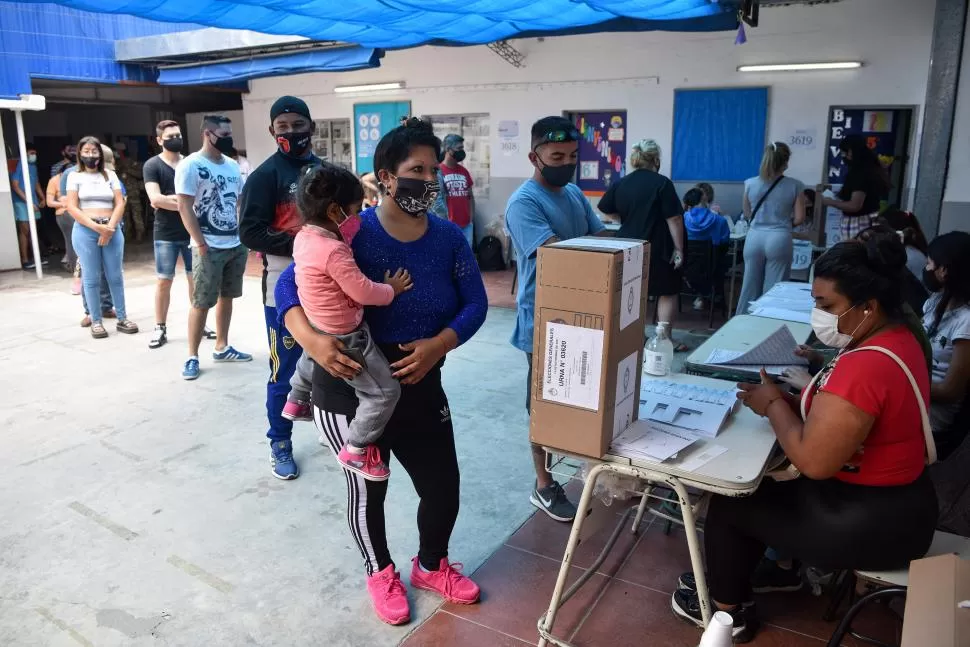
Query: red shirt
point(458, 184)
point(894, 451)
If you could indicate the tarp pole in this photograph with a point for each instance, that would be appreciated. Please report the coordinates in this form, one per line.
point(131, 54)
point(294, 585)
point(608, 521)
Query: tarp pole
point(28, 190)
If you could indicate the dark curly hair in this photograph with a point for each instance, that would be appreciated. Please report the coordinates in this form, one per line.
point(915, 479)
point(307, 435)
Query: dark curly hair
point(396, 145)
point(324, 184)
point(867, 268)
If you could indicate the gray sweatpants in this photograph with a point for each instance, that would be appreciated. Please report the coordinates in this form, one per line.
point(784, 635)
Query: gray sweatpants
point(767, 260)
point(376, 389)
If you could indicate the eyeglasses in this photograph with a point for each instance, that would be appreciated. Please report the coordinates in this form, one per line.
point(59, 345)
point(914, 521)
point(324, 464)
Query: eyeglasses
point(559, 136)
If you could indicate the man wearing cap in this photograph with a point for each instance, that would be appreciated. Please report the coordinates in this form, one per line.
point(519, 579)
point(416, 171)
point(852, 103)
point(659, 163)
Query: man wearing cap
point(546, 208)
point(458, 186)
point(269, 221)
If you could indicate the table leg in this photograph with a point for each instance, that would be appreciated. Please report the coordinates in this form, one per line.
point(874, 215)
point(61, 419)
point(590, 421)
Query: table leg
point(567, 558)
point(641, 509)
point(694, 545)
point(734, 277)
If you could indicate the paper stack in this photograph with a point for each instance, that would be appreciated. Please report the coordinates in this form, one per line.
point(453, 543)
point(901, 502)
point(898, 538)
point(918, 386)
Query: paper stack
point(698, 409)
point(650, 440)
point(786, 300)
point(776, 353)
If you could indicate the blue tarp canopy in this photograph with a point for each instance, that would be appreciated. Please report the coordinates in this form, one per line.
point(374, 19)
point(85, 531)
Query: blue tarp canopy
point(330, 60)
point(392, 24)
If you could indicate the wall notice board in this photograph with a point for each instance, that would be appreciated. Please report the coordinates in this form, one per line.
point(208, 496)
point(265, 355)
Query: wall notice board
point(602, 149)
point(719, 135)
point(371, 122)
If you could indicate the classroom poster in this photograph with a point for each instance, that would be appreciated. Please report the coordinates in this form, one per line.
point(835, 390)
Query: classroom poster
point(879, 127)
point(602, 149)
point(371, 122)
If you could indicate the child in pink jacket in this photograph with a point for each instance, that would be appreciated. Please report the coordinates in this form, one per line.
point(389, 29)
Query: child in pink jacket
point(333, 291)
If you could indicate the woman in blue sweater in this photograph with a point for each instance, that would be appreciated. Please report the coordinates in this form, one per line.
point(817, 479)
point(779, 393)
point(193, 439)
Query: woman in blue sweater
point(444, 309)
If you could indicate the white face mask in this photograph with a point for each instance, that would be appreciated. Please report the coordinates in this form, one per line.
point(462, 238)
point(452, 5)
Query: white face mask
point(826, 328)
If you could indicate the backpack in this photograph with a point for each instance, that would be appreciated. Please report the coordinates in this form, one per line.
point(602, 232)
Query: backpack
point(490, 257)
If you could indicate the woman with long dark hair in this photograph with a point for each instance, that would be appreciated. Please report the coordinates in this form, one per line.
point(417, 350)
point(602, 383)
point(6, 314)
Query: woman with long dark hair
point(95, 201)
point(446, 306)
point(908, 229)
point(866, 184)
point(946, 316)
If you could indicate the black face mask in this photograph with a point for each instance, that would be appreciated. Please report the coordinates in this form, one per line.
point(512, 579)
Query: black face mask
point(71, 157)
point(224, 144)
point(932, 283)
point(294, 144)
point(558, 176)
point(173, 145)
point(459, 156)
point(414, 196)
point(90, 162)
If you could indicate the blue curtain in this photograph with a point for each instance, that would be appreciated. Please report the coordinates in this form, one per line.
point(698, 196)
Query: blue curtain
point(719, 135)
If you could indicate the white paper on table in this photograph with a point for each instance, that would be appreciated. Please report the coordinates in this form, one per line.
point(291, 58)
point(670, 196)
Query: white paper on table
point(783, 314)
point(698, 456)
point(776, 349)
point(723, 356)
point(572, 370)
point(626, 382)
point(650, 440)
point(632, 285)
point(688, 406)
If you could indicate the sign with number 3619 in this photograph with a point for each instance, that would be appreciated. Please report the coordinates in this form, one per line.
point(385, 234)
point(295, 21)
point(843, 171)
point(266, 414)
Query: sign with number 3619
point(802, 139)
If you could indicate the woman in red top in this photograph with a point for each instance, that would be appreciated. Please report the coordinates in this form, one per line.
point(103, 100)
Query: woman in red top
point(856, 435)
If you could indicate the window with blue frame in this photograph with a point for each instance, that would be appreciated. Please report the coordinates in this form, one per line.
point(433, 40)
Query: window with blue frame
point(719, 135)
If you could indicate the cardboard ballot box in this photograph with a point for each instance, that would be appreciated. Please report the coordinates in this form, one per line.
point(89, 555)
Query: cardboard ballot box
point(590, 313)
point(932, 618)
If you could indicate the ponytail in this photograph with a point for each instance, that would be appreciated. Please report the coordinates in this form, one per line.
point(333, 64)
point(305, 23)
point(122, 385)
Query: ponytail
point(774, 160)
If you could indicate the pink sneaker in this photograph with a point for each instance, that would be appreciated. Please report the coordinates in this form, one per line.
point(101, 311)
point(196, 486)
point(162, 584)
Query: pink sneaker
point(389, 596)
point(297, 411)
point(370, 465)
point(76, 286)
point(447, 581)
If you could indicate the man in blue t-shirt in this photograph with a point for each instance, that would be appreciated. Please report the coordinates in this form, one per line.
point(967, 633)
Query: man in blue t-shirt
point(546, 208)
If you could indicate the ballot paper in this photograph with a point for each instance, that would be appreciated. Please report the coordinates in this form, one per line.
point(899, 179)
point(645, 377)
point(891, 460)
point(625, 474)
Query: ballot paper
point(651, 441)
point(788, 301)
point(777, 350)
point(696, 408)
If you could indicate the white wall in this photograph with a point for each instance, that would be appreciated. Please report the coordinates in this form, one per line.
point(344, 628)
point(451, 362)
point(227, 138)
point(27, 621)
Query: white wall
point(639, 73)
point(193, 124)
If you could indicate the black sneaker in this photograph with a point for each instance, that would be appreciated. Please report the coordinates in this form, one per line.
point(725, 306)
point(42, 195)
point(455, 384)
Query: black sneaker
point(769, 577)
point(687, 607)
point(159, 337)
point(552, 500)
point(29, 265)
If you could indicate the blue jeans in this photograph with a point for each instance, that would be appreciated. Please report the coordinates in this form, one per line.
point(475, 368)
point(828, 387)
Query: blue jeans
point(469, 231)
point(96, 260)
point(105, 291)
point(167, 254)
point(284, 353)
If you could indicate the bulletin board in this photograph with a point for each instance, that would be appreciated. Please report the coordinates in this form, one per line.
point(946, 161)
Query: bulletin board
point(886, 130)
point(719, 135)
point(602, 149)
point(371, 122)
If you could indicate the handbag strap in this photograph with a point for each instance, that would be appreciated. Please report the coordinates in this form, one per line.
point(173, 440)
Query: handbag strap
point(764, 196)
point(924, 415)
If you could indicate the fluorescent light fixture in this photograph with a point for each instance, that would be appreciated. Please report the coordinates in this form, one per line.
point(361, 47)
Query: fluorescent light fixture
point(393, 85)
point(800, 67)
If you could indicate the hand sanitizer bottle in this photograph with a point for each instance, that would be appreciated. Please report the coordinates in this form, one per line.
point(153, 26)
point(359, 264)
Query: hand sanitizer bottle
point(658, 357)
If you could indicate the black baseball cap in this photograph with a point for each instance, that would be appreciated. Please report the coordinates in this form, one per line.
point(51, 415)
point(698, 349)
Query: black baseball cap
point(287, 104)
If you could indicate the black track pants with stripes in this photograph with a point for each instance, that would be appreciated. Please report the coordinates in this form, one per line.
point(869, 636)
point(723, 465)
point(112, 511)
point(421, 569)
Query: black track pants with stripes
point(420, 436)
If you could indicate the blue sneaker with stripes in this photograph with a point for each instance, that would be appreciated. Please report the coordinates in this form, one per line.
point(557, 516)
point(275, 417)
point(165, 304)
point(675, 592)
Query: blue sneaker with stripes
point(190, 371)
point(230, 354)
point(284, 467)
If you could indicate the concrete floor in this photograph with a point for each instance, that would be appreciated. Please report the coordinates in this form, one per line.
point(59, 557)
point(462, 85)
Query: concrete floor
point(139, 509)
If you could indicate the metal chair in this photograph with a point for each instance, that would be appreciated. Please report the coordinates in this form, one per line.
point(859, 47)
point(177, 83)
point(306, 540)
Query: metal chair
point(890, 584)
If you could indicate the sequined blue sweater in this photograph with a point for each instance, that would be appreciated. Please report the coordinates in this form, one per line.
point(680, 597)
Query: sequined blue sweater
point(448, 291)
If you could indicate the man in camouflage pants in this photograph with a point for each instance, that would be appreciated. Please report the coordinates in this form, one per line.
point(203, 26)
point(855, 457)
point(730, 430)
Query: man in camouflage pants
point(129, 172)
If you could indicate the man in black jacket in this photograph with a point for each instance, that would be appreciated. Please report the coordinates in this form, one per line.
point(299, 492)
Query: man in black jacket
point(268, 223)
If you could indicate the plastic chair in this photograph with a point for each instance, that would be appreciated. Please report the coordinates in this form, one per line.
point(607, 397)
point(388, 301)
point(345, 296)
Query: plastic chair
point(891, 584)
